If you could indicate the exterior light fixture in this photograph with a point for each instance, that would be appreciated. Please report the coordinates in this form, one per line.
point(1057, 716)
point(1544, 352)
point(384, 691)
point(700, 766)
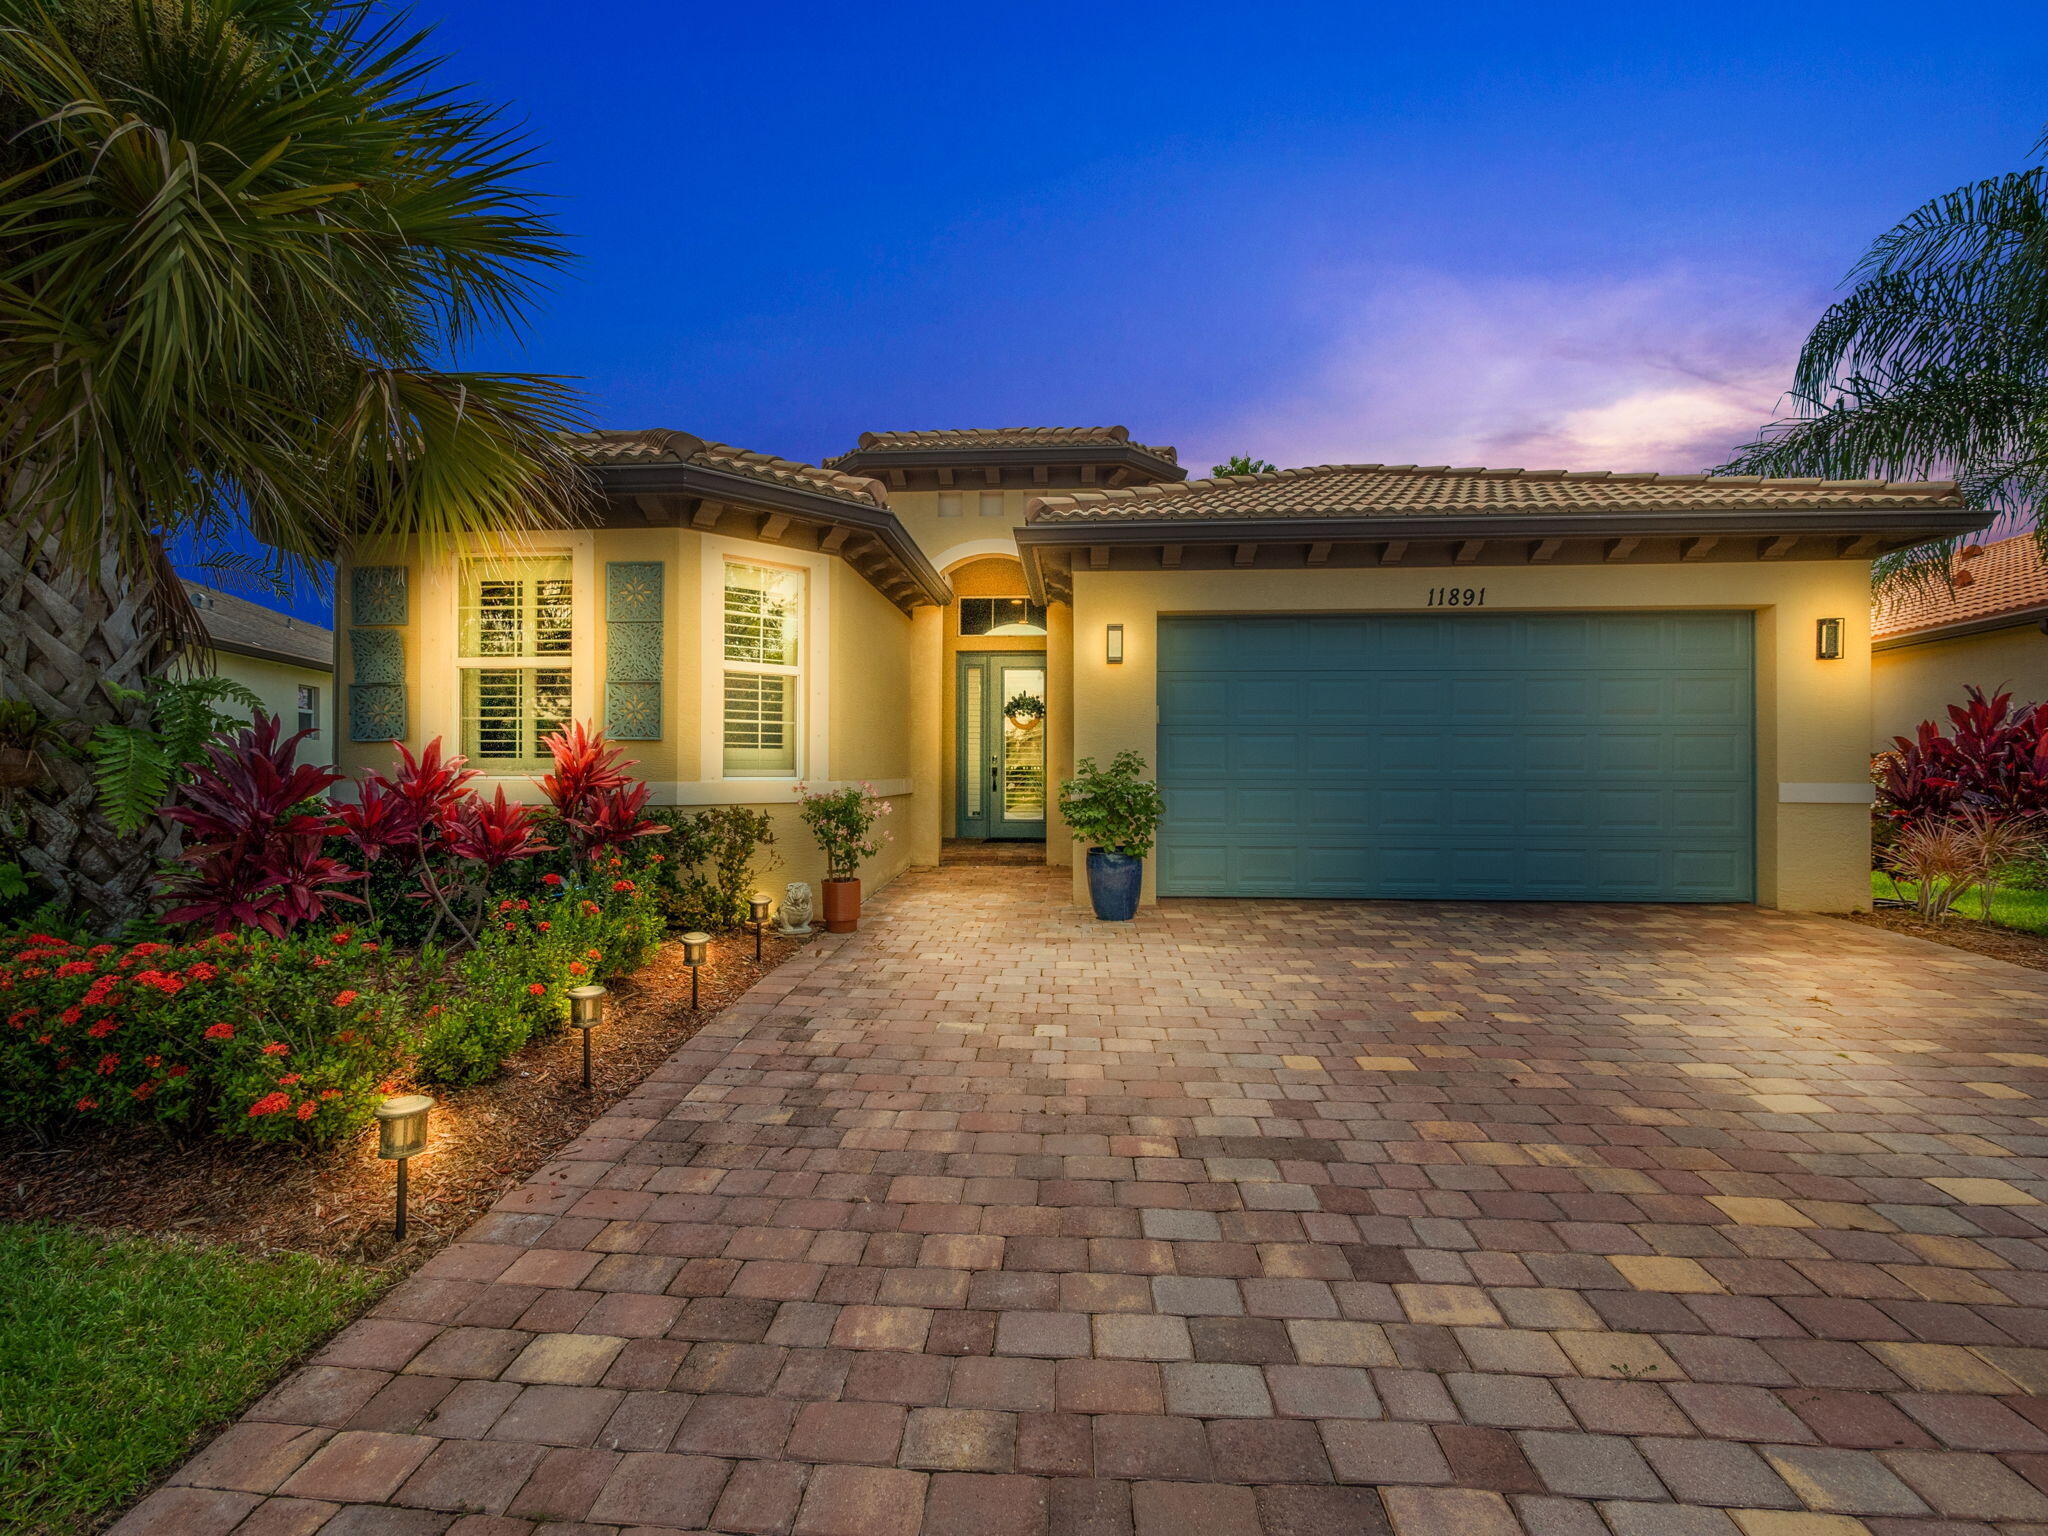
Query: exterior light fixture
point(758, 910)
point(402, 1135)
point(1827, 640)
point(696, 950)
point(586, 1012)
point(1113, 647)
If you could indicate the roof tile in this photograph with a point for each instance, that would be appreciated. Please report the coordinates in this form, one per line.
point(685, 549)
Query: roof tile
point(1343, 491)
point(1989, 579)
point(660, 445)
point(1005, 437)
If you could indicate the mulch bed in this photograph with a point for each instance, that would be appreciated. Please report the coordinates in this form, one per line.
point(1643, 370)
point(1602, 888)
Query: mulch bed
point(337, 1201)
point(2028, 949)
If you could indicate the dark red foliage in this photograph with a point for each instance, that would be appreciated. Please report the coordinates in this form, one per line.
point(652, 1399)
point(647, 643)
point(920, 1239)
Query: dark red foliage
point(378, 821)
point(592, 792)
point(613, 817)
point(492, 833)
point(429, 788)
point(253, 848)
point(1994, 759)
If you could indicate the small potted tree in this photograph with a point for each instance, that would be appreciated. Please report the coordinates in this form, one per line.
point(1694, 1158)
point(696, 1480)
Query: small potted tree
point(843, 822)
point(1118, 813)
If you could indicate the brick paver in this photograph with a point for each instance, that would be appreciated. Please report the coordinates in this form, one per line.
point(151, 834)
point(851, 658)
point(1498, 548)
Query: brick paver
point(1270, 1218)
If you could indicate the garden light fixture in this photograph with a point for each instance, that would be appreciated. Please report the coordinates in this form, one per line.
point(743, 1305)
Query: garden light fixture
point(758, 909)
point(1827, 640)
point(402, 1135)
point(586, 1012)
point(696, 949)
point(1113, 651)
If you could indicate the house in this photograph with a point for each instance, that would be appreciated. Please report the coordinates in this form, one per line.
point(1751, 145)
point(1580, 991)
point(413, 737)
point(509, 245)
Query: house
point(286, 662)
point(1987, 627)
point(1355, 680)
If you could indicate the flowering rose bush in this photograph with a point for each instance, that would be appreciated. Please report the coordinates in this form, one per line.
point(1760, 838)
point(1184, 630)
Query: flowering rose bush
point(843, 822)
point(274, 1038)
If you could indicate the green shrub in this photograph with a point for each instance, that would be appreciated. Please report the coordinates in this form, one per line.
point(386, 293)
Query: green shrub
point(704, 871)
point(513, 984)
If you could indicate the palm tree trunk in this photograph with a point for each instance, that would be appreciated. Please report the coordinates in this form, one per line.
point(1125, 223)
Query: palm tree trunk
point(73, 635)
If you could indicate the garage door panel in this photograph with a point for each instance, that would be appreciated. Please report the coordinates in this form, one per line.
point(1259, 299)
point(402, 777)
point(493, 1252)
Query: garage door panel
point(1567, 757)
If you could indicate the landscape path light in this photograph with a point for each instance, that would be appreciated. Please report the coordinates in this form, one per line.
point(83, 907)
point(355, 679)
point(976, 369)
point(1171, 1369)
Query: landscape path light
point(586, 1012)
point(402, 1136)
point(696, 949)
point(758, 907)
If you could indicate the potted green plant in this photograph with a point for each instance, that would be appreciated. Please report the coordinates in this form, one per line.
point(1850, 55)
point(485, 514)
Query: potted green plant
point(843, 822)
point(1118, 813)
point(22, 731)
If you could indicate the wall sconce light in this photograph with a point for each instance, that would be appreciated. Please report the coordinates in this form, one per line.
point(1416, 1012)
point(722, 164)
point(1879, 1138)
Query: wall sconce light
point(696, 950)
point(1827, 640)
point(1113, 648)
point(402, 1135)
point(586, 1012)
point(758, 910)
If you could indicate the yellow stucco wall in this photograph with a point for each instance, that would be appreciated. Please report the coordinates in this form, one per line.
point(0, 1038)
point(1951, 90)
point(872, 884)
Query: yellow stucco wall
point(949, 541)
point(861, 662)
point(1911, 683)
point(277, 684)
point(1812, 716)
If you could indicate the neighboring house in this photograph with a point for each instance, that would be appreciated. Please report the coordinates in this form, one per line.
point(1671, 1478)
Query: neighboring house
point(286, 662)
point(1988, 628)
point(1354, 680)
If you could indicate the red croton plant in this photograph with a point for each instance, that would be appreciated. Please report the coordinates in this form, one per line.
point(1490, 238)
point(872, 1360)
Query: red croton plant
point(598, 801)
point(1993, 761)
point(256, 829)
point(258, 826)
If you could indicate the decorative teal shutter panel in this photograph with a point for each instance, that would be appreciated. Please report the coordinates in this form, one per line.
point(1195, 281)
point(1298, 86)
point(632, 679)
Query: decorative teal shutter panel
point(376, 691)
point(635, 638)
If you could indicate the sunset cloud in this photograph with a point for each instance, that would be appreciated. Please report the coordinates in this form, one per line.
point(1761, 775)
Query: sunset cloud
point(1667, 371)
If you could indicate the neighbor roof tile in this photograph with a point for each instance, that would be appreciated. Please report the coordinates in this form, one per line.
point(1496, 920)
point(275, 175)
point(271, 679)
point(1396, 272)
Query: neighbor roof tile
point(1990, 579)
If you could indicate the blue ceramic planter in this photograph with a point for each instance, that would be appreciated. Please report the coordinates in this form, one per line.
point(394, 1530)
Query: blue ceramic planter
point(1114, 880)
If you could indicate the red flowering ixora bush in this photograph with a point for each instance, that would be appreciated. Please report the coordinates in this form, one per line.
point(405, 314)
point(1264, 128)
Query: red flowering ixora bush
point(283, 1039)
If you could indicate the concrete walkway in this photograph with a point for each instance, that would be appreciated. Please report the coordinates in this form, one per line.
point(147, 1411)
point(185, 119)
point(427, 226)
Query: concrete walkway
point(1247, 1219)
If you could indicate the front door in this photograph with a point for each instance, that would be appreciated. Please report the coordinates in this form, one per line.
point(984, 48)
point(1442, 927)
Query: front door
point(1000, 789)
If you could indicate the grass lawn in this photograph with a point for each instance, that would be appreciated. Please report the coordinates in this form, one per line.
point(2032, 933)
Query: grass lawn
point(117, 1353)
point(2024, 910)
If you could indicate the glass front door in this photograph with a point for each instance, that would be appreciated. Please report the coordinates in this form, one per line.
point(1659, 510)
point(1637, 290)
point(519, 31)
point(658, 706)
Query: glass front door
point(1000, 787)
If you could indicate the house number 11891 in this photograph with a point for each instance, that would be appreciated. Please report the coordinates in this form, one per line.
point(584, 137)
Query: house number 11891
point(1457, 597)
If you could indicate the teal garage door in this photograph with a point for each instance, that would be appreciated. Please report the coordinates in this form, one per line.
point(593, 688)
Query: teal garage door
point(1458, 756)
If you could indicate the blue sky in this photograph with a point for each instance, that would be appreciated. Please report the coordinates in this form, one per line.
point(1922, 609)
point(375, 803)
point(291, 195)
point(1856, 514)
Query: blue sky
point(1587, 236)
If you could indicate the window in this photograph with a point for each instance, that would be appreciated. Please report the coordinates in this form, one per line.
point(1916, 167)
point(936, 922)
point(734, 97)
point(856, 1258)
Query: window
point(309, 708)
point(991, 503)
point(762, 657)
point(517, 631)
point(1001, 616)
point(949, 504)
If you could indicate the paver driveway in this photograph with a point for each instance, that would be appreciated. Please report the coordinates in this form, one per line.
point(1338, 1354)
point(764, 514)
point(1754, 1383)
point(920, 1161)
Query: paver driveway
point(1244, 1218)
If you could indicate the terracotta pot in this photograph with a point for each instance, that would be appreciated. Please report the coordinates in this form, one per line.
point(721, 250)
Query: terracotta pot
point(842, 905)
point(19, 767)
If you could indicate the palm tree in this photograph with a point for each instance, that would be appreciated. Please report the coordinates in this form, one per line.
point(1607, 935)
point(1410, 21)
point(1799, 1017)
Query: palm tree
point(1936, 363)
point(240, 236)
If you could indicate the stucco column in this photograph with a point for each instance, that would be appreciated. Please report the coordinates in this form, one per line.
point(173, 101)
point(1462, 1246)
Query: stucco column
point(927, 710)
point(1059, 689)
